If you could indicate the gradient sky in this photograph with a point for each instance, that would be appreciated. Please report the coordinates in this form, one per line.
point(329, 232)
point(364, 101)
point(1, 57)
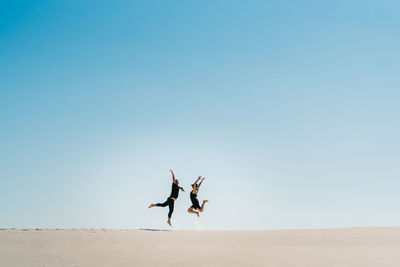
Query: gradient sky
point(289, 108)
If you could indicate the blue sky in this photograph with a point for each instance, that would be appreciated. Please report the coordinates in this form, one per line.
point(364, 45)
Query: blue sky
point(289, 108)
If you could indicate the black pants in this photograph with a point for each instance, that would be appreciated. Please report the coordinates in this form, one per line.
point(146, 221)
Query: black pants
point(170, 202)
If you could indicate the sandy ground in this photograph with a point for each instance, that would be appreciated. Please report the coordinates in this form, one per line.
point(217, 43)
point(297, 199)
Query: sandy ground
point(332, 247)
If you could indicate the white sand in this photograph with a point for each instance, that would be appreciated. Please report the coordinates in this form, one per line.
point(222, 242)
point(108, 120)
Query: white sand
point(119, 248)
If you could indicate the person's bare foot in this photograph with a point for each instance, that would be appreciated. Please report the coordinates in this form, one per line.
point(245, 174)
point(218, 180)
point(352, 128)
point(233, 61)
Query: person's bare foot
point(152, 205)
point(169, 222)
point(198, 214)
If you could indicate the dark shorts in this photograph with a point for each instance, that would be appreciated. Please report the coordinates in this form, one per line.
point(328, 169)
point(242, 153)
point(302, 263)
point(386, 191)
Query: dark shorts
point(195, 204)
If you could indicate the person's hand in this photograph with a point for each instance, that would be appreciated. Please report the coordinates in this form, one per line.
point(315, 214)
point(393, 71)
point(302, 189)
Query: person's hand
point(203, 178)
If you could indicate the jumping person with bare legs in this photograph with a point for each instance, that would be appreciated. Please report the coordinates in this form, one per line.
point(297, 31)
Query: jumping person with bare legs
point(171, 200)
point(193, 197)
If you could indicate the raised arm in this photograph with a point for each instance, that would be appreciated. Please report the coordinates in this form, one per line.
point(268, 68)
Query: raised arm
point(201, 181)
point(197, 180)
point(173, 176)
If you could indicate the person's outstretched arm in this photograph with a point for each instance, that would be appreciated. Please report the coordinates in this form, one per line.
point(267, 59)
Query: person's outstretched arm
point(201, 181)
point(181, 188)
point(197, 180)
point(173, 176)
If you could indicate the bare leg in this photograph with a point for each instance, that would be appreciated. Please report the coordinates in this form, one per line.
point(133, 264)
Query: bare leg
point(191, 210)
point(202, 205)
point(169, 222)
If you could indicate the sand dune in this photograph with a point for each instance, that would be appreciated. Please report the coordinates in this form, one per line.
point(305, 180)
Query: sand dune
point(119, 248)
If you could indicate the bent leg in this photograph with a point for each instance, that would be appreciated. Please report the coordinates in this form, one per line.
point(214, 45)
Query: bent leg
point(202, 205)
point(191, 210)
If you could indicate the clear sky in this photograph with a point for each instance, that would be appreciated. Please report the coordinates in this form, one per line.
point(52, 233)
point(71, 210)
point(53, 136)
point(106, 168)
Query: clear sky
point(290, 109)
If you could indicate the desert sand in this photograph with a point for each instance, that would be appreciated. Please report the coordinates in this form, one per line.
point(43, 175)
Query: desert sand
point(73, 248)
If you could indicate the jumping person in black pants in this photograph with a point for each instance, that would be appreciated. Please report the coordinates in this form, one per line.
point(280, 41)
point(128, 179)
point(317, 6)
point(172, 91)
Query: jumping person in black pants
point(193, 197)
point(171, 200)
